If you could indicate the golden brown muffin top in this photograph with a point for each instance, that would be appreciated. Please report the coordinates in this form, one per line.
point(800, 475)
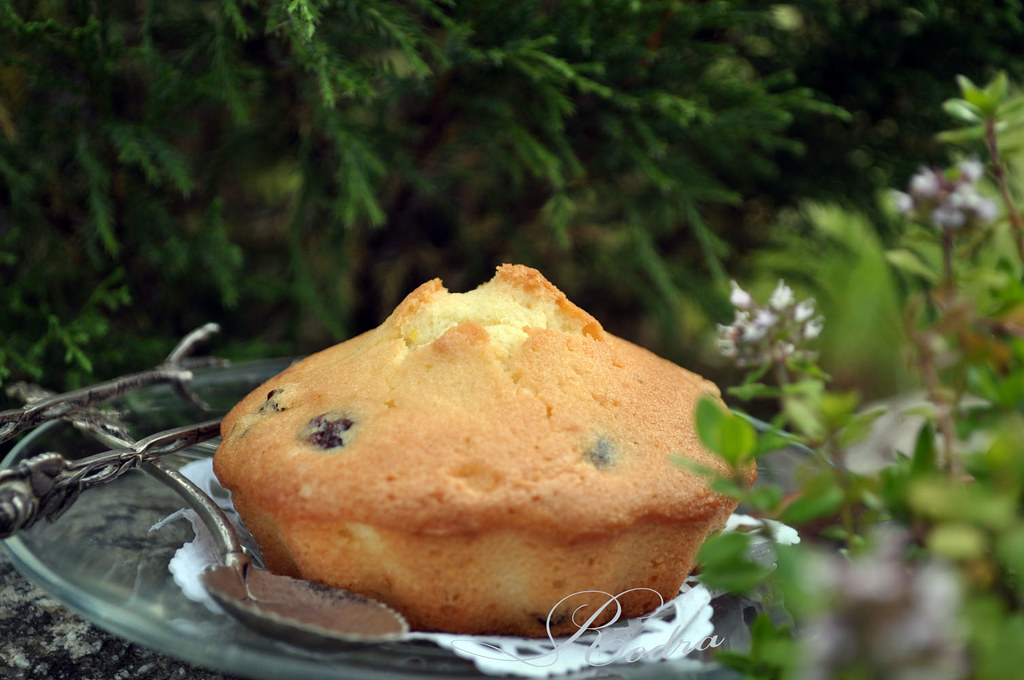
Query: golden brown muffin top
point(504, 406)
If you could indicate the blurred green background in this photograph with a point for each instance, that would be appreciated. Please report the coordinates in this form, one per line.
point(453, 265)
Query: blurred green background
point(292, 168)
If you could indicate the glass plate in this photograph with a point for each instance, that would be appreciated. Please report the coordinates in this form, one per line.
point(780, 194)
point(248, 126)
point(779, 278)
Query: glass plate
point(103, 560)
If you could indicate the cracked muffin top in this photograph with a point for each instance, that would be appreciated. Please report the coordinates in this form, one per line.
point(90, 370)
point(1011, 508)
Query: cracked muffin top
point(503, 406)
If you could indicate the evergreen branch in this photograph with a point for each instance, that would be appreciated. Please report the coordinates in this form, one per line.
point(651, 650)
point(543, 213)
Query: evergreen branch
point(334, 78)
point(409, 42)
point(712, 247)
point(101, 208)
point(534, 154)
point(72, 340)
point(233, 12)
point(654, 269)
point(138, 145)
point(226, 74)
point(305, 15)
point(557, 214)
point(357, 171)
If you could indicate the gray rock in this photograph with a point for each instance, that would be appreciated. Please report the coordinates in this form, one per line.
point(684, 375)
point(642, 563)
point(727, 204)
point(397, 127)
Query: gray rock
point(40, 639)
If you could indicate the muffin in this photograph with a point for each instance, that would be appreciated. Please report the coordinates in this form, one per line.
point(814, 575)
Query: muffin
point(476, 460)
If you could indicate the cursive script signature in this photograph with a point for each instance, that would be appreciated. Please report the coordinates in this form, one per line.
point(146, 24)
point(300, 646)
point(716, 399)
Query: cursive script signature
point(600, 644)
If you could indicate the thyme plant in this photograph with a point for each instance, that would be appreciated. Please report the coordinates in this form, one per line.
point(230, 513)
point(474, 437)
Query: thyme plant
point(915, 567)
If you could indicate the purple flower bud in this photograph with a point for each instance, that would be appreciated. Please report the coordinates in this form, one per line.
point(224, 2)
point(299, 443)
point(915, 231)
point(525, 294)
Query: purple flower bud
point(782, 297)
point(962, 197)
point(904, 202)
point(764, 319)
point(804, 310)
point(971, 170)
point(948, 217)
point(740, 298)
point(986, 210)
point(926, 184)
point(813, 328)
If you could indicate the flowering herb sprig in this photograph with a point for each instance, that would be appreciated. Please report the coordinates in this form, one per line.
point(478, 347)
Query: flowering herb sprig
point(774, 338)
point(772, 334)
point(988, 113)
point(948, 200)
point(948, 326)
point(832, 503)
point(911, 564)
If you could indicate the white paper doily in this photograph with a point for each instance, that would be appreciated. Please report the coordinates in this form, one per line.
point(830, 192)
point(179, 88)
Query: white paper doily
point(671, 632)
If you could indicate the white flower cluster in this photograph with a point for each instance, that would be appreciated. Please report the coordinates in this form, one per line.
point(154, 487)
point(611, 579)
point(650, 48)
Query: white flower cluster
point(768, 334)
point(947, 201)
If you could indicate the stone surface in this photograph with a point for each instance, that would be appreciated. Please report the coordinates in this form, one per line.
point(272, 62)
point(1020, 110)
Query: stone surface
point(40, 639)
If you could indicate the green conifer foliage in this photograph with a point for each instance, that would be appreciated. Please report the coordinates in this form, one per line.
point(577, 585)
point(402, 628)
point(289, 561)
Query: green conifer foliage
point(291, 168)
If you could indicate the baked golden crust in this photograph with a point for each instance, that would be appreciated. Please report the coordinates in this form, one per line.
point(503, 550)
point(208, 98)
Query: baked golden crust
point(470, 423)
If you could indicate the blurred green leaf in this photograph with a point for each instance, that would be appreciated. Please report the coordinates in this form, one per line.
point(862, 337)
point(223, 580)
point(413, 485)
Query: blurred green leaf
point(907, 261)
point(995, 91)
point(838, 407)
point(994, 633)
point(802, 406)
point(1010, 549)
point(1006, 391)
point(984, 100)
point(1011, 114)
point(943, 499)
point(923, 460)
point(965, 135)
point(819, 497)
point(753, 390)
point(773, 651)
point(772, 440)
point(808, 367)
point(725, 433)
point(764, 498)
point(737, 439)
point(963, 110)
point(859, 425)
point(728, 487)
point(969, 91)
point(957, 541)
point(709, 418)
point(725, 564)
point(1010, 552)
